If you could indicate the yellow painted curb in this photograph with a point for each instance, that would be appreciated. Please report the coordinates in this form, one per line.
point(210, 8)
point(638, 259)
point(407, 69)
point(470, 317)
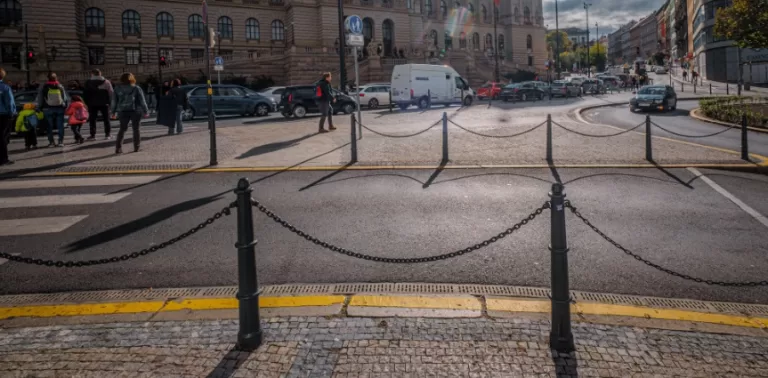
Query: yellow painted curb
point(588, 308)
point(695, 114)
point(427, 302)
point(264, 302)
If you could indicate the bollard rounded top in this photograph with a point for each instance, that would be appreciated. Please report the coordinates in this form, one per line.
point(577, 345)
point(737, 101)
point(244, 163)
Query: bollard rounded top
point(243, 184)
point(557, 189)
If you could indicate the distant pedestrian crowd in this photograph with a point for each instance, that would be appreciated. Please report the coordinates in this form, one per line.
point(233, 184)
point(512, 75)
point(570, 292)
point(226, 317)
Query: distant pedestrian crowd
point(54, 106)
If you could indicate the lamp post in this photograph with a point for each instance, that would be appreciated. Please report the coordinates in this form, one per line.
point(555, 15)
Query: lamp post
point(557, 44)
point(597, 42)
point(342, 47)
point(586, 8)
point(495, 42)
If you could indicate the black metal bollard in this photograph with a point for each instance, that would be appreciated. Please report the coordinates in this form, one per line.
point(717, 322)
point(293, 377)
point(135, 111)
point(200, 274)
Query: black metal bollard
point(445, 137)
point(682, 87)
point(390, 100)
point(744, 139)
point(461, 103)
point(648, 145)
point(694, 86)
point(549, 138)
point(710, 88)
point(429, 98)
point(727, 89)
point(560, 336)
point(353, 137)
point(249, 336)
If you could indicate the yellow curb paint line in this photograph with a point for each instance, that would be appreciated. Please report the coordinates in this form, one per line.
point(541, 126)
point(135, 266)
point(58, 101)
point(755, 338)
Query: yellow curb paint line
point(588, 308)
point(264, 302)
point(449, 303)
point(695, 115)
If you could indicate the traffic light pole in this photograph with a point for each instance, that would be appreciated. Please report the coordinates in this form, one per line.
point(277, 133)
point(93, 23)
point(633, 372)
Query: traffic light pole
point(496, 43)
point(26, 52)
point(211, 117)
point(342, 49)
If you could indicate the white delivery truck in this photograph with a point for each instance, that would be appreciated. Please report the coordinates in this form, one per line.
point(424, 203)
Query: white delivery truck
point(427, 84)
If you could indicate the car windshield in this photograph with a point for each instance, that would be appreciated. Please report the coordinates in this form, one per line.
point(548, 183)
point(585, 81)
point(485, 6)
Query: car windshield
point(558, 84)
point(510, 86)
point(652, 91)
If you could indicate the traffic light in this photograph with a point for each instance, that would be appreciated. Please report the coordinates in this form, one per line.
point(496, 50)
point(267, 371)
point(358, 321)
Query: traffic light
point(162, 61)
point(31, 56)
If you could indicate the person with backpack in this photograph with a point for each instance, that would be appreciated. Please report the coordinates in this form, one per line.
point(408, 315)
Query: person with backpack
point(26, 123)
point(78, 115)
point(52, 99)
point(130, 105)
point(7, 110)
point(97, 96)
point(324, 97)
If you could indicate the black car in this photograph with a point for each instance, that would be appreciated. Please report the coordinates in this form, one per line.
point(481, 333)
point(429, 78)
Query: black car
point(298, 101)
point(523, 92)
point(654, 97)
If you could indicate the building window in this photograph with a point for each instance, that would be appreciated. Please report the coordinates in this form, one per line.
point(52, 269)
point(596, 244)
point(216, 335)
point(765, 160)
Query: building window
point(530, 61)
point(164, 24)
point(428, 7)
point(471, 9)
point(131, 23)
point(94, 21)
point(132, 55)
point(196, 28)
point(448, 41)
point(527, 15)
point(197, 53)
point(278, 30)
point(484, 11)
point(443, 9)
point(476, 41)
point(462, 41)
point(529, 42)
point(167, 53)
point(409, 4)
point(96, 56)
point(367, 29)
point(11, 53)
point(457, 5)
point(539, 18)
point(388, 36)
point(252, 30)
point(10, 13)
point(225, 27)
point(433, 37)
point(488, 42)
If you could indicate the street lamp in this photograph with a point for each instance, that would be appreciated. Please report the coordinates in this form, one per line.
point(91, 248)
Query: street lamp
point(342, 47)
point(597, 42)
point(586, 8)
point(557, 44)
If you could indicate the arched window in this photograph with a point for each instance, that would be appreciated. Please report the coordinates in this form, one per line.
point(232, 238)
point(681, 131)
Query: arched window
point(428, 7)
point(10, 13)
point(94, 21)
point(225, 27)
point(471, 9)
point(539, 19)
point(278, 30)
point(476, 41)
point(529, 42)
point(196, 28)
point(388, 36)
point(409, 4)
point(448, 41)
point(131, 23)
point(367, 29)
point(462, 41)
point(488, 41)
point(443, 8)
point(433, 36)
point(484, 11)
point(500, 41)
point(457, 5)
point(517, 15)
point(252, 32)
point(527, 15)
point(164, 22)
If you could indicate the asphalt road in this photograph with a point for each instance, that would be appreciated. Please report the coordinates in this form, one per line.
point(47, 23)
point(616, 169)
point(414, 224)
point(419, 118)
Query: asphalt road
point(668, 216)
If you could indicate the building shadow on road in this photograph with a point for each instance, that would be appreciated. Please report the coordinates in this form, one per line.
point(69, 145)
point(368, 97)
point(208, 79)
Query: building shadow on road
point(566, 364)
point(26, 171)
point(230, 364)
point(272, 147)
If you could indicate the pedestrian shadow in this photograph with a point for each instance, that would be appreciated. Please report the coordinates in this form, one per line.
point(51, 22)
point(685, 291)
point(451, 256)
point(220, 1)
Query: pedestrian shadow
point(139, 224)
point(272, 147)
point(424, 184)
point(566, 364)
point(320, 180)
point(230, 364)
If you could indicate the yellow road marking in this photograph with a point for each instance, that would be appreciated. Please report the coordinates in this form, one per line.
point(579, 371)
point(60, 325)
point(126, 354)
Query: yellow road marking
point(588, 308)
point(451, 303)
point(264, 302)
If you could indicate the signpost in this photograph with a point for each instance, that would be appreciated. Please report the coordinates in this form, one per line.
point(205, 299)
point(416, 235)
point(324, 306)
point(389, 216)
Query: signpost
point(211, 118)
point(354, 27)
point(218, 66)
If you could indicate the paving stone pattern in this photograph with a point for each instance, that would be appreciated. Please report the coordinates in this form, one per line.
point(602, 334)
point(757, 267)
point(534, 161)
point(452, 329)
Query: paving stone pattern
point(364, 347)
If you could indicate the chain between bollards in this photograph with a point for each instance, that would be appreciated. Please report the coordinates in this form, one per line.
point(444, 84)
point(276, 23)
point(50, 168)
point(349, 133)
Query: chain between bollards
point(560, 336)
point(549, 138)
point(353, 138)
point(249, 336)
point(648, 141)
point(445, 137)
point(744, 139)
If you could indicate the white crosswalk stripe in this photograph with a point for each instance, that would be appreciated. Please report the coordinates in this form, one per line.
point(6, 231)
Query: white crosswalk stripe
point(53, 224)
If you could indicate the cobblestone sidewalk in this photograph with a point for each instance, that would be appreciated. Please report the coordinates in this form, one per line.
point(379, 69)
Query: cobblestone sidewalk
point(382, 347)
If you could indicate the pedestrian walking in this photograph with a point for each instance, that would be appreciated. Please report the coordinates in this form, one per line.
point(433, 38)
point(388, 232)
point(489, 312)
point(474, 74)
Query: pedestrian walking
point(182, 103)
point(152, 101)
point(97, 96)
point(694, 76)
point(324, 98)
point(130, 106)
point(634, 82)
point(53, 99)
point(685, 75)
point(26, 124)
point(7, 110)
point(78, 115)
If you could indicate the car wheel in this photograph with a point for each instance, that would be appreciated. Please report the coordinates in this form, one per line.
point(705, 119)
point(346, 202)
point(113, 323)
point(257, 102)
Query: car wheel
point(348, 109)
point(373, 104)
point(262, 110)
point(524, 97)
point(423, 103)
point(299, 111)
point(468, 101)
point(505, 99)
point(403, 106)
point(188, 115)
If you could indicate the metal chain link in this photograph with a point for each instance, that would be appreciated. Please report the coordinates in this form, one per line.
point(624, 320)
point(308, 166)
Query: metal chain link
point(399, 136)
point(597, 135)
point(445, 256)
point(694, 136)
point(659, 267)
point(497, 136)
point(125, 257)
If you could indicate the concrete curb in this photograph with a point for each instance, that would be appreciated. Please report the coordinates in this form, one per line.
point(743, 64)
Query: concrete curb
point(696, 114)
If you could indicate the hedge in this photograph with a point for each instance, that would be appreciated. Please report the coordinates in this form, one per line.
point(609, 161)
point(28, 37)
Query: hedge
point(731, 109)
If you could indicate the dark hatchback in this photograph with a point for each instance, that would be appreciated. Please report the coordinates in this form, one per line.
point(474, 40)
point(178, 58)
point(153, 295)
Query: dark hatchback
point(523, 92)
point(228, 100)
point(654, 97)
point(300, 100)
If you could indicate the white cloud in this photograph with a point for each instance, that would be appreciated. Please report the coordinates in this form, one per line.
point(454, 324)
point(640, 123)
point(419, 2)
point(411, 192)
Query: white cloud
point(609, 14)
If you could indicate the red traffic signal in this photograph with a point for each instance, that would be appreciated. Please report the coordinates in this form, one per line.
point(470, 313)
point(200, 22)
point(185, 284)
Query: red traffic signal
point(31, 56)
point(162, 61)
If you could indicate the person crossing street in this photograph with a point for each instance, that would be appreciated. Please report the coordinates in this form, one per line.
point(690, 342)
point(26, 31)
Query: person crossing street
point(324, 98)
point(97, 96)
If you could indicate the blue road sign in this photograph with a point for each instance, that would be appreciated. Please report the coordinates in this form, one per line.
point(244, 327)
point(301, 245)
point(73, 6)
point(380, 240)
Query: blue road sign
point(354, 24)
point(218, 61)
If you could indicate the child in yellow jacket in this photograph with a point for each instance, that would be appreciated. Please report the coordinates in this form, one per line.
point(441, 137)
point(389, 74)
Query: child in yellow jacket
point(27, 123)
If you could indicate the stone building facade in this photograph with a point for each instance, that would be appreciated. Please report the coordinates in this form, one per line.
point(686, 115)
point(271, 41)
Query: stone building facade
point(289, 40)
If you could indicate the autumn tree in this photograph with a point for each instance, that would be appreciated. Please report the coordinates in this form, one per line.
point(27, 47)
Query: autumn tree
point(745, 22)
point(565, 43)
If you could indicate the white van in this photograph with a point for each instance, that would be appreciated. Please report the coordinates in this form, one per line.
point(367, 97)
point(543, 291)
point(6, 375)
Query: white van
point(425, 84)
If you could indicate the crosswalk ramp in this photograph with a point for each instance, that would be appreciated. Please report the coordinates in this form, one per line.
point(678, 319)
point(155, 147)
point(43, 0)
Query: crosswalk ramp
point(53, 224)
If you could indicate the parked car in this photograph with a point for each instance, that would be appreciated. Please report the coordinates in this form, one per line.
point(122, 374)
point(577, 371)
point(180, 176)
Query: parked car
point(274, 92)
point(523, 92)
point(612, 81)
point(298, 101)
point(427, 84)
point(654, 97)
point(489, 90)
point(373, 96)
point(229, 99)
point(576, 80)
point(660, 70)
point(562, 88)
point(593, 86)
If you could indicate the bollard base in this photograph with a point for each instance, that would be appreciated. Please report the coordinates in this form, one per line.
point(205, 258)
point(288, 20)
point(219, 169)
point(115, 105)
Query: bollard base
point(562, 344)
point(249, 342)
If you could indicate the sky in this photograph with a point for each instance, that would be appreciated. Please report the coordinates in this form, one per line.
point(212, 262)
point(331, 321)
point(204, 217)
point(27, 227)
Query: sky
point(609, 14)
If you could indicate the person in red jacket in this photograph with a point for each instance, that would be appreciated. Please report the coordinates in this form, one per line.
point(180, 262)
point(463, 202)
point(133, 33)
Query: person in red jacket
point(78, 115)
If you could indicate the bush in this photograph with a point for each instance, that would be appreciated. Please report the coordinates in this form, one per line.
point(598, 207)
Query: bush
point(732, 109)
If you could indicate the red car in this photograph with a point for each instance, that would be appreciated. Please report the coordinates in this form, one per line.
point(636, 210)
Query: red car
point(492, 90)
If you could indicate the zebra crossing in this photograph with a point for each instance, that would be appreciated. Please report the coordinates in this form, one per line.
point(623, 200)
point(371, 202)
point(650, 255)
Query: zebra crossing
point(53, 224)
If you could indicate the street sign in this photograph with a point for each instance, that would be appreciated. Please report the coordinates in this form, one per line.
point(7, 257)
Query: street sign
point(354, 24)
point(218, 63)
point(355, 40)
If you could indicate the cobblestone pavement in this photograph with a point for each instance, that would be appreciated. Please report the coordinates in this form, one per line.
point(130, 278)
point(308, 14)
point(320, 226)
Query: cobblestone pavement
point(382, 347)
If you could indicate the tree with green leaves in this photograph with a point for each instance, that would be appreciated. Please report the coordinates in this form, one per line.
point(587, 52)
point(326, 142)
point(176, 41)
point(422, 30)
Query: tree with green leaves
point(565, 43)
point(745, 22)
point(598, 56)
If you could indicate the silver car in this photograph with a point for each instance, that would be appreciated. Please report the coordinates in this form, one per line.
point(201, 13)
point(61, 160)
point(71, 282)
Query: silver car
point(274, 93)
